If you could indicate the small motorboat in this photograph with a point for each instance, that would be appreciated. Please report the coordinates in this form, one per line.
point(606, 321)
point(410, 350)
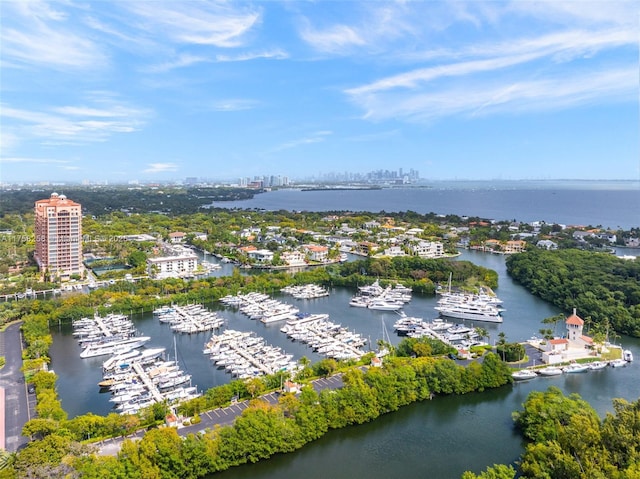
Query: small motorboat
point(576, 368)
point(617, 363)
point(523, 374)
point(596, 365)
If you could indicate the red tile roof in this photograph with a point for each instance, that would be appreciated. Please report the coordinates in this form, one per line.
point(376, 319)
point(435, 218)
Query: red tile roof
point(575, 320)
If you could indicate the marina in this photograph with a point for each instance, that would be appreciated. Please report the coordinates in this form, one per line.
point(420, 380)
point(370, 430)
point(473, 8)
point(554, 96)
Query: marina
point(306, 291)
point(459, 336)
point(325, 337)
point(140, 383)
point(189, 319)
point(245, 355)
point(490, 410)
point(261, 307)
point(374, 296)
point(110, 335)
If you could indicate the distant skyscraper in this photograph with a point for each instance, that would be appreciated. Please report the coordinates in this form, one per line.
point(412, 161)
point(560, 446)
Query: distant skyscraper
point(58, 228)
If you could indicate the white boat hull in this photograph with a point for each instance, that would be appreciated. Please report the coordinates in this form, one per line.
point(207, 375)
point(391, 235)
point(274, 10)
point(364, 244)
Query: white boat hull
point(471, 316)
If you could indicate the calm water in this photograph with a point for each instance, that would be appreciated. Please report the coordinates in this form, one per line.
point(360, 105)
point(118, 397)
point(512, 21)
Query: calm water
point(440, 438)
point(436, 439)
point(611, 205)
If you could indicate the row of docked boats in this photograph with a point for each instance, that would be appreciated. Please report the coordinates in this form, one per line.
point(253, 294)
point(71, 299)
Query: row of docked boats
point(456, 335)
point(470, 306)
point(261, 306)
point(245, 355)
point(325, 337)
point(136, 376)
point(574, 367)
point(109, 335)
point(374, 296)
point(305, 291)
point(188, 319)
point(136, 383)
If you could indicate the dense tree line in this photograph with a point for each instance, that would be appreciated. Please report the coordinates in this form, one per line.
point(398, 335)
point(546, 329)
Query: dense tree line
point(567, 440)
point(263, 430)
point(606, 289)
point(100, 200)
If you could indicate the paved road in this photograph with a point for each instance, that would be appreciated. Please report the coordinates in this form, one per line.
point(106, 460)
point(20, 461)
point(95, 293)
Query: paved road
point(219, 417)
point(19, 404)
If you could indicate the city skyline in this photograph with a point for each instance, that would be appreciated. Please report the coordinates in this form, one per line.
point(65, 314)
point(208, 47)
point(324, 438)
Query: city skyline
point(120, 91)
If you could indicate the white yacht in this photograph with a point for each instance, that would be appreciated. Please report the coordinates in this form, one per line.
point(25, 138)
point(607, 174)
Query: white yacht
point(114, 347)
point(384, 305)
point(473, 312)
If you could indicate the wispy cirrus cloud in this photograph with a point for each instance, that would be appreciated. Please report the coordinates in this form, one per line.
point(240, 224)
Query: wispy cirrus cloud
point(41, 161)
point(316, 137)
point(558, 47)
point(198, 23)
point(161, 167)
point(498, 96)
point(334, 39)
point(275, 54)
point(34, 33)
point(186, 60)
point(76, 124)
point(181, 61)
point(512, 73)
point(235, 104)
point(370, 27)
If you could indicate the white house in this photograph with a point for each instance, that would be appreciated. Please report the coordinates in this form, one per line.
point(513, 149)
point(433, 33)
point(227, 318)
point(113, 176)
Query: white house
point(393, 251)
point(293, 258)
point(261, 255)
point(317, 252)
point(177, 237)
point(547, 244)
point(428, 249)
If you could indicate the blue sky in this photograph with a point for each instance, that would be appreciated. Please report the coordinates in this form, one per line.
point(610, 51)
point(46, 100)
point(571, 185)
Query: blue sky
point(159, 90)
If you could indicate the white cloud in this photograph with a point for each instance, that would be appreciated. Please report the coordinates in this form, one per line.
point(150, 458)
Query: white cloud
point(161, 167)
point(496, 96)
point(199, 23)
point(40, 161)
point(235, 104)
point(73, 124)
point(276, 54)
point(182, 61)
point(559, 47)
point(33, 33)
point(316, 137)
point(332, 40)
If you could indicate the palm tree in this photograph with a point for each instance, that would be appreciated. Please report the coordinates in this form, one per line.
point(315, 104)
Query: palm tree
point(553, 320)
point(502, 341)
point(482, 332)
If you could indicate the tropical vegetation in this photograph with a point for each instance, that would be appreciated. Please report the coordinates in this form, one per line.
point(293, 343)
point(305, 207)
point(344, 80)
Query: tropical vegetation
point(606, 289)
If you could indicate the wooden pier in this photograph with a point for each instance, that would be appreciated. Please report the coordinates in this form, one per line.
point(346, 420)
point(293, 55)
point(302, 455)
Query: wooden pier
point(147, 382)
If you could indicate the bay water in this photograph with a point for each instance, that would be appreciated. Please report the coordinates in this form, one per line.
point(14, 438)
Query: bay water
point(440, 438)
point(612, 205)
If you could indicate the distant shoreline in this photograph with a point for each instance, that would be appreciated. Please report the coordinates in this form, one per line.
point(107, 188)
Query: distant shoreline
point(338, 188)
